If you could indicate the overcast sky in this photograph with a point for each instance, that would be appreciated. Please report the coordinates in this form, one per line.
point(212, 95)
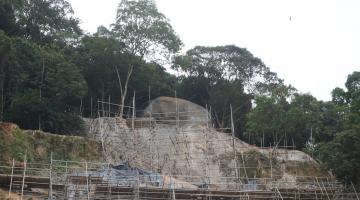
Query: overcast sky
point(314, 51)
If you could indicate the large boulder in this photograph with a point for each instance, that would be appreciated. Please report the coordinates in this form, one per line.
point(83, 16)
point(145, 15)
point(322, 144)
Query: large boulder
point(170, 110)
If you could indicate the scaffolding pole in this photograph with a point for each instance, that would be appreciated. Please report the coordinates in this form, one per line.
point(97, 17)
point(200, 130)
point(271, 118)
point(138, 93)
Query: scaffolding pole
point(357, 197)
point(133, 112)
point(23, 178)
point(233, 143)
point(11, 178)
point(50, 177)
point(87, 181)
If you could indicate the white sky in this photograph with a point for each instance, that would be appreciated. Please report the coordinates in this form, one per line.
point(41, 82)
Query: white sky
point(314, 52)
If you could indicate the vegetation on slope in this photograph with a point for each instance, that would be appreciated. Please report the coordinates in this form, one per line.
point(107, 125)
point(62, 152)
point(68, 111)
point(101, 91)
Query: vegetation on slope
point(38, 146)
point(259, 165)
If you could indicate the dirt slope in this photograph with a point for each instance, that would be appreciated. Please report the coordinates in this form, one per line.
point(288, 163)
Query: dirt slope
point(194, 149)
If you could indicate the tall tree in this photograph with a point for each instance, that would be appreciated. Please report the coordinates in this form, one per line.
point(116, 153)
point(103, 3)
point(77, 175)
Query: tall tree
point(32, 69)
point(5, 47)
point(42, 21)
point(145, 32)
point(221, 76)
point(225, 63)
point(97, 55)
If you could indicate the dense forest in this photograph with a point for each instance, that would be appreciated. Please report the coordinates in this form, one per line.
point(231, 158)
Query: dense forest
point(50, 73)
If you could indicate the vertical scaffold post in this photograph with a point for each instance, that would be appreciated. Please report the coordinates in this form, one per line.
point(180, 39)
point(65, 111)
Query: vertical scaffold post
point(207, 168)
point(11, 178)
point(137, 185)
point(87, 180)
point(233, 142)
point(271, 168)
point(109, 107)
point(109, 182)
point(91, 107)
point(133, 113)
point(50, 175)
point(151, 133)
point(207, 116)
point(173, 193)
point(23, 179)
point(98, 108)
point(102, 106)
point(66, 179)
point(211, 122)
point(176, 111)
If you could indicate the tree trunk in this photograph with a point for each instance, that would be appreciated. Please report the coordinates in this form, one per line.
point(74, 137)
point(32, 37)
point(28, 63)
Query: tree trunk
point(124, 91)
point(2, 99)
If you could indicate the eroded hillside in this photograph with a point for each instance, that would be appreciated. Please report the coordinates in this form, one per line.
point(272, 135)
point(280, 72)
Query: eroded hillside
point(176, 138)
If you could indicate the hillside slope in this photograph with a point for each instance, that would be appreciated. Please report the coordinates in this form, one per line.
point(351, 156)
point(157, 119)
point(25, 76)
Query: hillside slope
point(186, 147)
point(38, 145)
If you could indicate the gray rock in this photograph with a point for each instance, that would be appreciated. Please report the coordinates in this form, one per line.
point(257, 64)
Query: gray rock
point(168, 110)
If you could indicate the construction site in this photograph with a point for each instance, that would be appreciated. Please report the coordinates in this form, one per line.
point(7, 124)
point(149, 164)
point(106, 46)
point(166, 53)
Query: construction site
point(171, 150)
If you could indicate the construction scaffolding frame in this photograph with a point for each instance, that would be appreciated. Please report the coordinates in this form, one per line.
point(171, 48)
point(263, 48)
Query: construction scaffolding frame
point(173, 155)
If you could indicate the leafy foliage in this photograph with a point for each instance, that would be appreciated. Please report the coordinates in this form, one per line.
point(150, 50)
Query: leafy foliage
point(40, 83)
point(220, 76)
point(327, 130)
point(144, 30)
point(42, 21)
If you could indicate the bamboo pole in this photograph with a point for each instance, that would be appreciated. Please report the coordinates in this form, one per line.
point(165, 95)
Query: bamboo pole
point(177, 111)
point(23, 179)
point(137, 190)
point(87, 180)
point(91, 107)
point(211, 121)
point(102, 106)
point(325, 190)
point(66, 179)
point(357, 197)
point(50, 177)
point(98, 107)
point(109, 106)
point(109, 184)
point(2, 96)
point(243, 164)
point(233, 142)
point(173, 194)
point(133, 113)
point(11, 178)
point(151, 133)
point(207, 116)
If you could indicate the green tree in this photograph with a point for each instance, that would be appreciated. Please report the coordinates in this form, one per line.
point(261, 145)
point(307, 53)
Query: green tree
point(42, 21)
point(42, 86)
point(98, 56)
point(290, 117)
point(353, 93)
point(340, 152)
point(145, 32)
point(5, 47)
point(342, 155)
point(220, 76)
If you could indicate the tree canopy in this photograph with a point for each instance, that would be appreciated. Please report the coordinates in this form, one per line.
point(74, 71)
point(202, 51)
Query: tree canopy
point(144, 30)
point(42, 21)
point(220, 76)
